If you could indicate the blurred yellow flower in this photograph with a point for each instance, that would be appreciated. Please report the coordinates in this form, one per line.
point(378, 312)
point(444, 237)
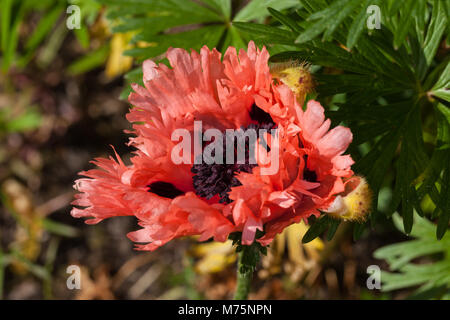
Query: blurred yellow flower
point(302, 257)
point(214, 256)
point(118, 63)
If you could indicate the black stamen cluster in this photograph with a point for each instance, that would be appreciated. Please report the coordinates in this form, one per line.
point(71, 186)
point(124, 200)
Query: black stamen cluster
point(218, 179)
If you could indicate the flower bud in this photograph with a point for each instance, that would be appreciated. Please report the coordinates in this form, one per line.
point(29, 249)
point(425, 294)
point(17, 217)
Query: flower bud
point(296, 76)
point(355, 203)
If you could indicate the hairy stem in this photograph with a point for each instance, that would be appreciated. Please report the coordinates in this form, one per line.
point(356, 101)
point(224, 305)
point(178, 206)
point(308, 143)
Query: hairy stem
point(248, 258)
point(244, 280)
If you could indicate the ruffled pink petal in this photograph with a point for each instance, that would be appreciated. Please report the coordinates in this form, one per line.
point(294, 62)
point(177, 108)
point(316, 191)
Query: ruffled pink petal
point(335, 142)
point(102, 196)
point(206, 221)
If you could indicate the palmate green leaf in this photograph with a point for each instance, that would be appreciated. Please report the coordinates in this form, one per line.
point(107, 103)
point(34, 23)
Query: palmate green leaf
point(398, 60)
point(265, 33)
point(286, 20)
point(327, 20)
point(222, 6)
point(433, 278)
point(335, 84)
point(257, 9)
point(313, 31)
point(188, 24)
point(375, 163)
point(150, 26)
point(435, 30)
point(447, 14)
point(234, 39)
point(443, 137)
point(444, 78)
point(403, 180)
point(407, 13)
point(195, 39)
point(314, 6)
point(375, 51)
point(343, 13)
point(421, 17)
point(412, 161)
point(324, 54)
point(440, 160)
point(358, 24)
point(441, 87)
point(444, 204)
point(401, 17)
point(125, 7)
point(435, 275)
point(154, 21)
point(443, 93)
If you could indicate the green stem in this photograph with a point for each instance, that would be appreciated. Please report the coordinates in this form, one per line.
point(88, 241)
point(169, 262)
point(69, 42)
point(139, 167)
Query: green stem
point(244, 280)
point(248, 258)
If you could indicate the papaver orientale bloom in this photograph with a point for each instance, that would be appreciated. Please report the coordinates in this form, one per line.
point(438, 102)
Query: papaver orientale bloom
point(172, 199)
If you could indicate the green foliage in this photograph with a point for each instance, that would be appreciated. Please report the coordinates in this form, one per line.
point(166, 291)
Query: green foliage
point(46, 34)
point(395, 88)
point(158, 25)
point(431, 274)
point(185, 23)
point(91, 60)
point(318, 226)
point(11, 122)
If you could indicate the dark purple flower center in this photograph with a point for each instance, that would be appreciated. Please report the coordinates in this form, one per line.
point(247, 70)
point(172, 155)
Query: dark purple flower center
point(218, 179)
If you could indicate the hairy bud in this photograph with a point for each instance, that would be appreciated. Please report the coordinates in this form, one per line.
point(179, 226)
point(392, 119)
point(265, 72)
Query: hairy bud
point(355, 203)
point(296, 76)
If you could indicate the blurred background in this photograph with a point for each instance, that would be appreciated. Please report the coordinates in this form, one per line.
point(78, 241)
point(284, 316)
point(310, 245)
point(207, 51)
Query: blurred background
point(62, 103)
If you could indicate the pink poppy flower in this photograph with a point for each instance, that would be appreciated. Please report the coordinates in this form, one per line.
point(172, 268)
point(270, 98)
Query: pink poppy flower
point(179, 198)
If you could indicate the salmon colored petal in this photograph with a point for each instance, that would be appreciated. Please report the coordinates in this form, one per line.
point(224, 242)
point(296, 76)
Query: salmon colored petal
point(205, 219)
point(335, 142)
